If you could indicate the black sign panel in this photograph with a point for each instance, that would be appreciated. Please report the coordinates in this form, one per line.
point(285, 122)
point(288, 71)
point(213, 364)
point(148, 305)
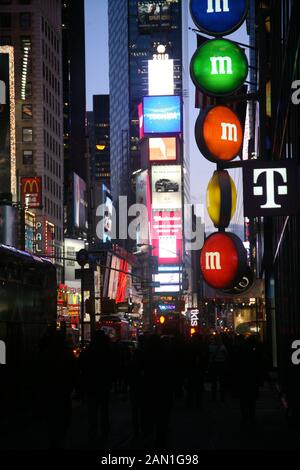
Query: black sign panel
point(271, 188)
point(4, 124)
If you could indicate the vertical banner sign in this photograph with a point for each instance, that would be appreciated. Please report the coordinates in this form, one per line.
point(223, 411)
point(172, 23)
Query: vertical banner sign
point(39, 236)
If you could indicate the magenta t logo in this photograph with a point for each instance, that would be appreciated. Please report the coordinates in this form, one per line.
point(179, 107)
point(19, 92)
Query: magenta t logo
point(282, 190)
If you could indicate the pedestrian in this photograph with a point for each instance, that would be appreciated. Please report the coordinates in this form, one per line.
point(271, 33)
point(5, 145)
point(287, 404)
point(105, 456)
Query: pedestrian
point(98, 366)
point(218, 357)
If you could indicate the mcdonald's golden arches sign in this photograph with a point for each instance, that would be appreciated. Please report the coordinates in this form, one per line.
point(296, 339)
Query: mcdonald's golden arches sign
point(31, 192)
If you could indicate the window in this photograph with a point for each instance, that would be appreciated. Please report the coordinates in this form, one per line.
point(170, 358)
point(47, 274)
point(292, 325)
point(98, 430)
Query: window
point(5, 20)
point(25, 20)
point(27, 157)
point(27, 134)
point(5, 41)
point(26, 111)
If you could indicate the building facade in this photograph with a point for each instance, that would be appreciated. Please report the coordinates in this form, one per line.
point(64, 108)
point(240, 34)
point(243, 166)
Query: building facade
point(33, 29)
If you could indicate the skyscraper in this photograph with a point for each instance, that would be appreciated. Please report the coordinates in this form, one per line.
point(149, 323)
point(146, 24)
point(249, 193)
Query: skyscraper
point(33, 29)
point(149, 158)
point(134, 38)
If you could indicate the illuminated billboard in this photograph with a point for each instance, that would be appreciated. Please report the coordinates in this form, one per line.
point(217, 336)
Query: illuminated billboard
point(161, 115)
point(169, 281)
point(31, 192)
point(154, 16)
point(80, 202)
point(143, 196)
point(29, 231)
point(162, 149)
point(167, 236)
point(160, 77)
point(166, 187)
point(72, 246)
point(108, 214)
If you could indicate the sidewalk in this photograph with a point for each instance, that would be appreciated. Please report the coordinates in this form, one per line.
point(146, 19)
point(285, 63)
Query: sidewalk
point(214, 427)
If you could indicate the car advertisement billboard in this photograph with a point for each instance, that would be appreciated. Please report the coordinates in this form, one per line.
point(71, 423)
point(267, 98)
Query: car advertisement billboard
point(166, 187)
point(162, 115)
point(162, 149)
point(167, 236)
point(154, 16)
point(31, 192)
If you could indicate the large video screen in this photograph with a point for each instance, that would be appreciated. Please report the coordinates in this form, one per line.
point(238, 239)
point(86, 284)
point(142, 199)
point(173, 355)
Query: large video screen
point(154, 16)
point(162, 149)
point(167, 236)
point(162, 115)
point(160, 77)
point(166, 187)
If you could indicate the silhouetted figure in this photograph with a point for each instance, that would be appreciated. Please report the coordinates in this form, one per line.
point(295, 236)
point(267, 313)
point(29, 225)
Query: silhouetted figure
point(56, 376)
point(98, 363)
point(135, 380)
point(249, 370)
point(157, 387)
point(196, 364)
point(218, 357)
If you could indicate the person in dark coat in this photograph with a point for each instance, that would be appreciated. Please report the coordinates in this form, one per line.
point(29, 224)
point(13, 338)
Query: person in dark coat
point(56, 377)
point(98, 366)
point(249, 370)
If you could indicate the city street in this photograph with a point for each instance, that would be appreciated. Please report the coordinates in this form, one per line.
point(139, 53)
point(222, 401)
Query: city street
point(149, 226)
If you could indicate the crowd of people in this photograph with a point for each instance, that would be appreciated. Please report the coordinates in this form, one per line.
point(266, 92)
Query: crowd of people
point(152, 377)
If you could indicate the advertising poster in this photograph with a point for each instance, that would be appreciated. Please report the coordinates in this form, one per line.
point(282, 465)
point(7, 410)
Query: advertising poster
point(162, 149)
point(80, 203)
point(71, 248)
point(166, 187)
point(108, 213)
point(29, 231)
point(154, 16)
point(143, 197)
